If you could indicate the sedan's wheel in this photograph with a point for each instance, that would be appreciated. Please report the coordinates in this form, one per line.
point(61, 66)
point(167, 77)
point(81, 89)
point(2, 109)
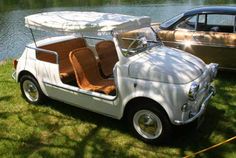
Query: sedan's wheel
point(150, 123)
point(31, 91)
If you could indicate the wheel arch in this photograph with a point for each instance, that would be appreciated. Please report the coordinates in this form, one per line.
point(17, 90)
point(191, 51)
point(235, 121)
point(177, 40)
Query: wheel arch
point(25, 72)
point(24, 76)
point(134, 101)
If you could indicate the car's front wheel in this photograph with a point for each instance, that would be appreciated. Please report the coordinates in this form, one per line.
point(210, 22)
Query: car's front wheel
point(30, 90)
point(150, 123)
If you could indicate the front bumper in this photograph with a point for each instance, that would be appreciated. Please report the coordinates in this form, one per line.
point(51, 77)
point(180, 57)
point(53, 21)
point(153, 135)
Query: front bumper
point(202, 108)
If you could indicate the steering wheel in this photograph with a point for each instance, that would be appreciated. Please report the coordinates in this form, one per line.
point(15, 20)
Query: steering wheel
point(134, 41)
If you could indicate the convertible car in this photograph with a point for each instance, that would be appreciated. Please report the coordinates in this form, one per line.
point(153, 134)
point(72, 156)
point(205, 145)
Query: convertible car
point(120, 70)
point(207, 32)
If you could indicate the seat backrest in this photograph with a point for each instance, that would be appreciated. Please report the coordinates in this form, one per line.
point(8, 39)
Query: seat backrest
point(107, 55)
point(63, 49)
point(85, 66)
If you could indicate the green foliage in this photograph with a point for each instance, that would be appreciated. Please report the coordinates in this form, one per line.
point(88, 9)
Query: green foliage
point(60, 130)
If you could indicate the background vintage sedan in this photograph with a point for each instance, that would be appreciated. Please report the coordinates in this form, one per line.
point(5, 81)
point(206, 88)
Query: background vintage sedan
point(207, 32)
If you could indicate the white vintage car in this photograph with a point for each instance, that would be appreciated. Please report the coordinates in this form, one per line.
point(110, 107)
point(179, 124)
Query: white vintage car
point(114, 65)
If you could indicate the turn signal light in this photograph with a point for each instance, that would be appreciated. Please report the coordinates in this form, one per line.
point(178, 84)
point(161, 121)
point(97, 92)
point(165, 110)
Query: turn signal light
point(15, 62)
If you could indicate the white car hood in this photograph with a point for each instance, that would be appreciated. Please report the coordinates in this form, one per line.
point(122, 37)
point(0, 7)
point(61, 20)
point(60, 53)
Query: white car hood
point(163, 64)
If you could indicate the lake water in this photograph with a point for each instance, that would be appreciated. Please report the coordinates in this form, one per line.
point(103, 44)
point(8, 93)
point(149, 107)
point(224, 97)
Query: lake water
point(14, 36)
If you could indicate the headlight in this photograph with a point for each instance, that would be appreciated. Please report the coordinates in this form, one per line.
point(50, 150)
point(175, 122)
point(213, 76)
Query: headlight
point(192, 94)
point(213, 69)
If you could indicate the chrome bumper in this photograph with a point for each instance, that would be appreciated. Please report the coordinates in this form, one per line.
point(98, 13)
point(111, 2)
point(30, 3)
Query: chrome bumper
point(202, 109)
point(13, 75)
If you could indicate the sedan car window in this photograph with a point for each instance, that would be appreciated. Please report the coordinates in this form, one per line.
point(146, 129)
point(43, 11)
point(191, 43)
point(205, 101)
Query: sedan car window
point(216, 23)
point(219, 19)
point(188, 23)
point(202, 18)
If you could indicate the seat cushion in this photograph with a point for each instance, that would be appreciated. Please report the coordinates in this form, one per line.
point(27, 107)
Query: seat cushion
point(67, 74)
point(103, 86)
point(87, 73)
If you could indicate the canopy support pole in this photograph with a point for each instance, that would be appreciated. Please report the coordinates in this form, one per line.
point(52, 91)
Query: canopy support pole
point(234, 25)
point(112, 33)
point(33, 37)
point(156, 34)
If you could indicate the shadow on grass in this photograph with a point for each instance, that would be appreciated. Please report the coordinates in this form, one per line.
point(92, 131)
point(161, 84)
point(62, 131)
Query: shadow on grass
point(68, 116)
point(87, 116)
point(219, 121)
point(184, 137)
point(5, 98)
point(61, 133)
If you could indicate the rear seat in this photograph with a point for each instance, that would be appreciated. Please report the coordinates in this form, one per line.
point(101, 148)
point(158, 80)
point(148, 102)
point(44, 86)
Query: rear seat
point(63, 49)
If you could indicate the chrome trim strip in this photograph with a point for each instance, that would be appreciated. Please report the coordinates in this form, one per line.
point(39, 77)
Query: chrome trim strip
point(201, 111)
point(225, 68)
point(46, 51)
point(199, 44)
point(56, 86)
point(132, 39)
point(91, 37)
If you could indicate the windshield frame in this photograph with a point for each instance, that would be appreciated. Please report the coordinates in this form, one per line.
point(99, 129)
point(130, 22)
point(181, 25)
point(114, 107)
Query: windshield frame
point(146, 44)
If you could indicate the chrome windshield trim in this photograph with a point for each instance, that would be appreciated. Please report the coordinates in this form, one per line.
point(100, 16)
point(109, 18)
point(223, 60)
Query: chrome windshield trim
point(95, 38)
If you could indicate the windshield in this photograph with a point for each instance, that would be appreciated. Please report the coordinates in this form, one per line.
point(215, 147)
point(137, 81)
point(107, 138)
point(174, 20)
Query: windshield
point(171, 21)
point(136, 41)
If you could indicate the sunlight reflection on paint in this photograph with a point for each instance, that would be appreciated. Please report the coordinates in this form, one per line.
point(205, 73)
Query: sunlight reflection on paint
point(187, 44)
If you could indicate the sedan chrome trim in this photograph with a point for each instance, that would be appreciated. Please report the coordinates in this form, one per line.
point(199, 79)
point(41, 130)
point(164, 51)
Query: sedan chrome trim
point(199, 44)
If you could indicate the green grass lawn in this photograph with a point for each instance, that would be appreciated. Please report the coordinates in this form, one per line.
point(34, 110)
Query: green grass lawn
point(59, 130)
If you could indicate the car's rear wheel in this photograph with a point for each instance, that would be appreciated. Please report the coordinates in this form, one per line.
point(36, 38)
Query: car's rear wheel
point(31, 91)
point(149, 123)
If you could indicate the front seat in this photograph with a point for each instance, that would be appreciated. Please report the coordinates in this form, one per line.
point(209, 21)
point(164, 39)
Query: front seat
point(107, 57)
point(87, 72)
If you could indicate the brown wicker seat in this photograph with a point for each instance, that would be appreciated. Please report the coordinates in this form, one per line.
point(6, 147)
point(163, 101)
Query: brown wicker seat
point(63, 49)
point(87, 72)
point(107, 55)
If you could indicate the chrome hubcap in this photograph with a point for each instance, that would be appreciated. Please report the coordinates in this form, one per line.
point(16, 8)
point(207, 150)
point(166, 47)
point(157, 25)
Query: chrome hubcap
point(30, 90)
point(147, 124)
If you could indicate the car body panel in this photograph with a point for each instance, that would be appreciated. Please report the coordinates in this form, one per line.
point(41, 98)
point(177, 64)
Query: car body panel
point(131, 79)
point(178, 67)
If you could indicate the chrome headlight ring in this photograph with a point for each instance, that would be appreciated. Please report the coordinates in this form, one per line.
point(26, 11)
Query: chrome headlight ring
point(193, 91)
point(213, 69)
